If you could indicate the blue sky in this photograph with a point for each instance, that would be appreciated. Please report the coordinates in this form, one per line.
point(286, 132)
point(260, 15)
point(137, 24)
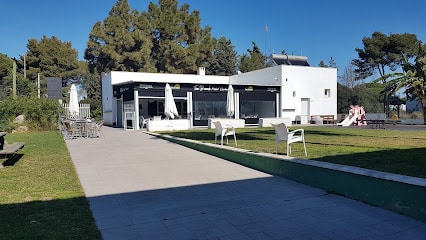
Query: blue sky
point(316, 29)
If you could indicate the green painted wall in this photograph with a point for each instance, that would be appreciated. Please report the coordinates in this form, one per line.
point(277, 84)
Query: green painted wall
point(403, 198)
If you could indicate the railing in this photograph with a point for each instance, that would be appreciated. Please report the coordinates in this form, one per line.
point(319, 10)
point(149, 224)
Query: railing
point(84, 110)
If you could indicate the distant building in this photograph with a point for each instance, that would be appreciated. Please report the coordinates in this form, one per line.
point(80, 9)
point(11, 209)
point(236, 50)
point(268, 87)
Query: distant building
point(413, 106)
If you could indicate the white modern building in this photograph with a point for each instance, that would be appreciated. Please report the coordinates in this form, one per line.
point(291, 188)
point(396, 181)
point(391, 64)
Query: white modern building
point(294, 92)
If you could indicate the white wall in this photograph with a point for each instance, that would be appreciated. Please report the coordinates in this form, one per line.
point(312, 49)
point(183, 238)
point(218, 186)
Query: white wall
point(107, 99)
point(309, 83)
point(264, 77)
point(122, 77)
point(304, 81)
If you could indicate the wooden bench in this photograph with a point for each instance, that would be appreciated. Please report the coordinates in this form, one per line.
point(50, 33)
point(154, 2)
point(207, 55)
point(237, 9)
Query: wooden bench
point(9, 149)
point(326, 119)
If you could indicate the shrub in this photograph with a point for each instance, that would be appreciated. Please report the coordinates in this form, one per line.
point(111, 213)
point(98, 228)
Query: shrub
point(40, 113)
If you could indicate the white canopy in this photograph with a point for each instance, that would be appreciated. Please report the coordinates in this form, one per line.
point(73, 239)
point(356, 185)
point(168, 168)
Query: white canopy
point(230, 106)
point(73, 107)
point(170, 109)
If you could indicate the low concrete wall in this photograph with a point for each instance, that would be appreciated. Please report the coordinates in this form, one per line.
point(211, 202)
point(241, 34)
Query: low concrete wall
point(266, 122)
point(402, 194)
point(107, 117)
point(375, 116)
point(236, 123)
point(167, 125)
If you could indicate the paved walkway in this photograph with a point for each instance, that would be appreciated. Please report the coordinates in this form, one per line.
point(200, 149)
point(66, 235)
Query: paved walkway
point(142, 187)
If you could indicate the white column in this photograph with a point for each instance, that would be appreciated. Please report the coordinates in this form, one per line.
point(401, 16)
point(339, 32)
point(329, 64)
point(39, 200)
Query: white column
point(189, 111)
point(237, 105)
point(136, 101)
point(278, 105)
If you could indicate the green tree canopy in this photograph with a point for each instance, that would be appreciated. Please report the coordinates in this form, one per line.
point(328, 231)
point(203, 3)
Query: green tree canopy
point(322, 64)
point(121, 42)
point(382, 53)
point(367, 95)
point(412, 79)
point(5, 66)
point(23, 86)
point(370, 96)
point(254, 60)
point(167, 38)
point(51, 58)
point(180, 44)
point(344, 98)
point(331, 63)
point(5, 76)
point(224, 59)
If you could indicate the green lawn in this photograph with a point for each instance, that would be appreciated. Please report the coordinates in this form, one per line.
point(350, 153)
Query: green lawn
point(395, 151)
point(40, 195)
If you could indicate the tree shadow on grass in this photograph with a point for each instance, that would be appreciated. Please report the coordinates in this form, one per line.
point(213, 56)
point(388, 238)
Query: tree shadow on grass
point(324, 133)
point(339, 144)
point(50, 219)
point(209, 136)
point(409, 162)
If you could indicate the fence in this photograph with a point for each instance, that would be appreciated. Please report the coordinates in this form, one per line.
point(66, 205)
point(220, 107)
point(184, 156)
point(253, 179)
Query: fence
point(84, 110)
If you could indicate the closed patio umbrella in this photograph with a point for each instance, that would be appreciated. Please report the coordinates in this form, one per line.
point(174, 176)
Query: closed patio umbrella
point(230, 106)
point(170, 109)
point(73, 107)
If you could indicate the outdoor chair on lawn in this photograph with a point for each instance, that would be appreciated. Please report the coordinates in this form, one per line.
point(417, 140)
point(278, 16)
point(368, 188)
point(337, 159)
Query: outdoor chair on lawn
point(283, 134)
point(224, 131)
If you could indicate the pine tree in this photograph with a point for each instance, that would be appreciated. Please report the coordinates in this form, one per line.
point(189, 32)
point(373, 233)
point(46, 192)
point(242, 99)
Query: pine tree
point(121, 42)
point(253, 61)
point(224, 59)
point(180, 44)
point(50, 57)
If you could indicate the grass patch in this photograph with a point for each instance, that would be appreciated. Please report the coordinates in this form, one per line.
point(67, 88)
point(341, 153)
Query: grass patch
point(40, 195)
point(394, 151)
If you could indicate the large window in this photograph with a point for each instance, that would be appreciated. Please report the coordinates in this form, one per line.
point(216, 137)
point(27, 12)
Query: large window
point(208, 105)
point(257, 109)
point(255, 105)
point(208, 109)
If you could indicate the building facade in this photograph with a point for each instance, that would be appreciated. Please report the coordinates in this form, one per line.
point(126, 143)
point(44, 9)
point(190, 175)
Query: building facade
point(281, 91)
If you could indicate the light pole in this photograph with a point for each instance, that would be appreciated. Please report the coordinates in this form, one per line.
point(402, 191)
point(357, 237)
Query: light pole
point(25, 65)
point(14, 80)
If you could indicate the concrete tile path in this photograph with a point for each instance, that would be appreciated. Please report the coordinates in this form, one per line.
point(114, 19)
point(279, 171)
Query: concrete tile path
point(142, 187)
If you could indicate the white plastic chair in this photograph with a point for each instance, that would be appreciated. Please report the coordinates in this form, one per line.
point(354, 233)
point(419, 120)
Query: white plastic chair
point(142, 122)
point(283, 134)
point(224, 131)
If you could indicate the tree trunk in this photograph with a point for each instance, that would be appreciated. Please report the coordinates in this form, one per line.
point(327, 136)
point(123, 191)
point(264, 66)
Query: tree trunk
point(424, 115)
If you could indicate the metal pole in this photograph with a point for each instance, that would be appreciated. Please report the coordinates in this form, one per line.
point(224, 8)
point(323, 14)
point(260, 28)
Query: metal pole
point(25, 66)
point(38, 85)
point(14, 80)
